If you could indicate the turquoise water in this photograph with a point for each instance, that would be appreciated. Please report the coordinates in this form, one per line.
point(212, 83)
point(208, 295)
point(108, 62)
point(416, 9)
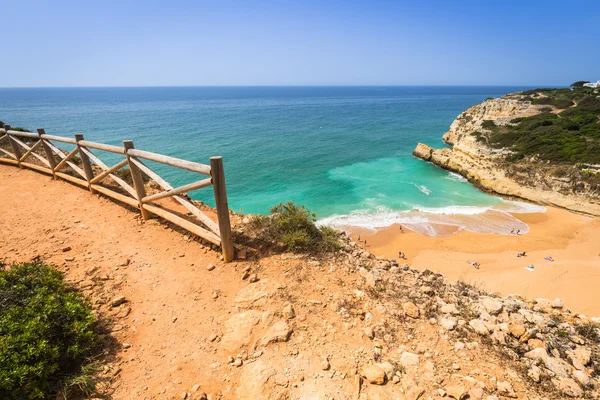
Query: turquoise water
point(339, 150)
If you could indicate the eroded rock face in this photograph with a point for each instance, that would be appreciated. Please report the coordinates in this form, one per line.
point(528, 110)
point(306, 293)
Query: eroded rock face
point(482, 165)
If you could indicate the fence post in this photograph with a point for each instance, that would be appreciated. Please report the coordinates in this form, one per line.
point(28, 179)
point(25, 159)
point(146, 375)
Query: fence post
point(138, 181)
point(47, 150)
point(218, 179)
point(85, 161)
point(15, 145)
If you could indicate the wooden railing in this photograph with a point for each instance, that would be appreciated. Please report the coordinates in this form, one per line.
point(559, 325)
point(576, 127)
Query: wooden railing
point(53, 160)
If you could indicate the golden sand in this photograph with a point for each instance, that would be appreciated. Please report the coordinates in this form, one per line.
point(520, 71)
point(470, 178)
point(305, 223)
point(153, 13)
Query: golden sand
point(572, 240)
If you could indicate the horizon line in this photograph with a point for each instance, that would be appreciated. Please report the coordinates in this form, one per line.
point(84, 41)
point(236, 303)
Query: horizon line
point(272, 86)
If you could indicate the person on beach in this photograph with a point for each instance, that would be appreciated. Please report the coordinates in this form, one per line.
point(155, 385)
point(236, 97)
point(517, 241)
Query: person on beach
point(512, 231)
point(401, 231)
point(359, 238)
point(518, 231)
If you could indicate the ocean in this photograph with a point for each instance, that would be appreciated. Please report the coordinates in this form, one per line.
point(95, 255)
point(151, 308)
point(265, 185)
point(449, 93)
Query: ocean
point(344, 152)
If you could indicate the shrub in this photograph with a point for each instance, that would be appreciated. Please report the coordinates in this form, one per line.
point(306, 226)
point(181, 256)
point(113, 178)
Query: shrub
point(579, 84)
point(572, 136)
point(293, 228)
point(46, 331)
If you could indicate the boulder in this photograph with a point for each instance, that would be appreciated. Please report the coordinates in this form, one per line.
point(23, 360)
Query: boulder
point(280, 331)
point(409, 361)
point(373, 374)
point(492, 305)
point(239, 329)
point(568, 386)
point(478, 326)
point(448, 323)
point(505, 389)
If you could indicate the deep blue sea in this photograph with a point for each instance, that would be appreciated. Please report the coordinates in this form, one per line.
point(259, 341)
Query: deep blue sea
point(344, 152)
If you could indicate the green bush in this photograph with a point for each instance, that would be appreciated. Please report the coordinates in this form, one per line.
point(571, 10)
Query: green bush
point(46, 331)
point(293, 229)
point(572, 136)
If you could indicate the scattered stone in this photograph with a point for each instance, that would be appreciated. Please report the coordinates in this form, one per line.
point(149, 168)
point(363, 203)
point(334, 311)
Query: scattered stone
point(325, 365)
point(117, 301)
point(239, 329)
point(456, 392)
point(475, 394)
point(388, 368)
point(581, 377)
point(411, 310)
point(536, 344)
point(504, 388)
point(408, 361)
point(210, 267)
point(492, 305)
point(237, 362)
point(369, 333)
point(280, 331)
point(69, 258)
point(534, 373)
point(245, 274)
point(212, 337)
point(288, 311)
point(65, 249)
point(568, 386)
point(448, 323)
point(556, 365)
point(558, 303)
point(449, 309)
point(517, 330)
point(215, 295)
point(478, 326)
point(253, 278)
point(373, 374)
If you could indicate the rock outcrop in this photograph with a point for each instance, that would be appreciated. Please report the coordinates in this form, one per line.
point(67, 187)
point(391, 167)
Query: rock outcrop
point(487, 168)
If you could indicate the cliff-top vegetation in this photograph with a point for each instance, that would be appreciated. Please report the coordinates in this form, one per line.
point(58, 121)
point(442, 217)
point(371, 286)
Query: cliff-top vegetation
point(570, 136)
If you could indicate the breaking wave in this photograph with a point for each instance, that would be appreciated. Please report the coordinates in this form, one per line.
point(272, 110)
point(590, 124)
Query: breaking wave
point(441, 221)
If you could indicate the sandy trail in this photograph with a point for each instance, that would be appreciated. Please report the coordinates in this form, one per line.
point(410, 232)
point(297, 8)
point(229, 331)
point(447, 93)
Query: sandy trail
point(572, 240)
point(41, 217)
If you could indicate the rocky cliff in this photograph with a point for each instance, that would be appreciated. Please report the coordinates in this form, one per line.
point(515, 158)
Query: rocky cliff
point(491, 168)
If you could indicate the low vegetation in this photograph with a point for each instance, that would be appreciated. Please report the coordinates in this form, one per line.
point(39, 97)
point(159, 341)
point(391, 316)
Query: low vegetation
point(569, 136)
point(293, 228)
point(47, 334)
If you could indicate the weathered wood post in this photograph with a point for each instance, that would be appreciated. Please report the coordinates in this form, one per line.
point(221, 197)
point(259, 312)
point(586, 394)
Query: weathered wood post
point(85, 161)
point(136, 177)
point(48, 151)
point(15, 145)
point(218, 179)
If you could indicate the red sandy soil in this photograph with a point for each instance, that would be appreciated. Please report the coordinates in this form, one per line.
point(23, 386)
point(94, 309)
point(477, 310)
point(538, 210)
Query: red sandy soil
point(182, 321)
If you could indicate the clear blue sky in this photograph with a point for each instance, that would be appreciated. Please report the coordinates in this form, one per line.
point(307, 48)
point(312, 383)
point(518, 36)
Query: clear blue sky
point(302, 42)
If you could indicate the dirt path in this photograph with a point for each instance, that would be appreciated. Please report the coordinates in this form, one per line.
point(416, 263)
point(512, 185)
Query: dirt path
point(165, 282)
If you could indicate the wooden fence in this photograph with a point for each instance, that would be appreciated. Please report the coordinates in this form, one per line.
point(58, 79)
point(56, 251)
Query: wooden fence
point(52, 160)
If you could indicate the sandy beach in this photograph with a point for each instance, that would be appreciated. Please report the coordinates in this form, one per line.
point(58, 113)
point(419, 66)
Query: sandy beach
point(572, 240)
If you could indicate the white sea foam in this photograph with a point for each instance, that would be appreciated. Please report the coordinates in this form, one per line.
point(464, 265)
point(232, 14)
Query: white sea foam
point(441, 221)
point(453, 176)
point(461, 210)
point(422, 188)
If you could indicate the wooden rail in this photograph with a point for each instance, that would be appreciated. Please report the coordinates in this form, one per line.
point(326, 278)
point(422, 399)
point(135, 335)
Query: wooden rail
point(93, 171)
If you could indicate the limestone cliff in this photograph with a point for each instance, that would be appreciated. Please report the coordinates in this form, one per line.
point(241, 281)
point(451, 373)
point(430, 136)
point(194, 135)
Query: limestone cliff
point(488, 167)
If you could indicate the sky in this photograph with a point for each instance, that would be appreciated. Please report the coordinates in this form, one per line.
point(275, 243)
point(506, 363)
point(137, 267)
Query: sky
point(60, 43)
